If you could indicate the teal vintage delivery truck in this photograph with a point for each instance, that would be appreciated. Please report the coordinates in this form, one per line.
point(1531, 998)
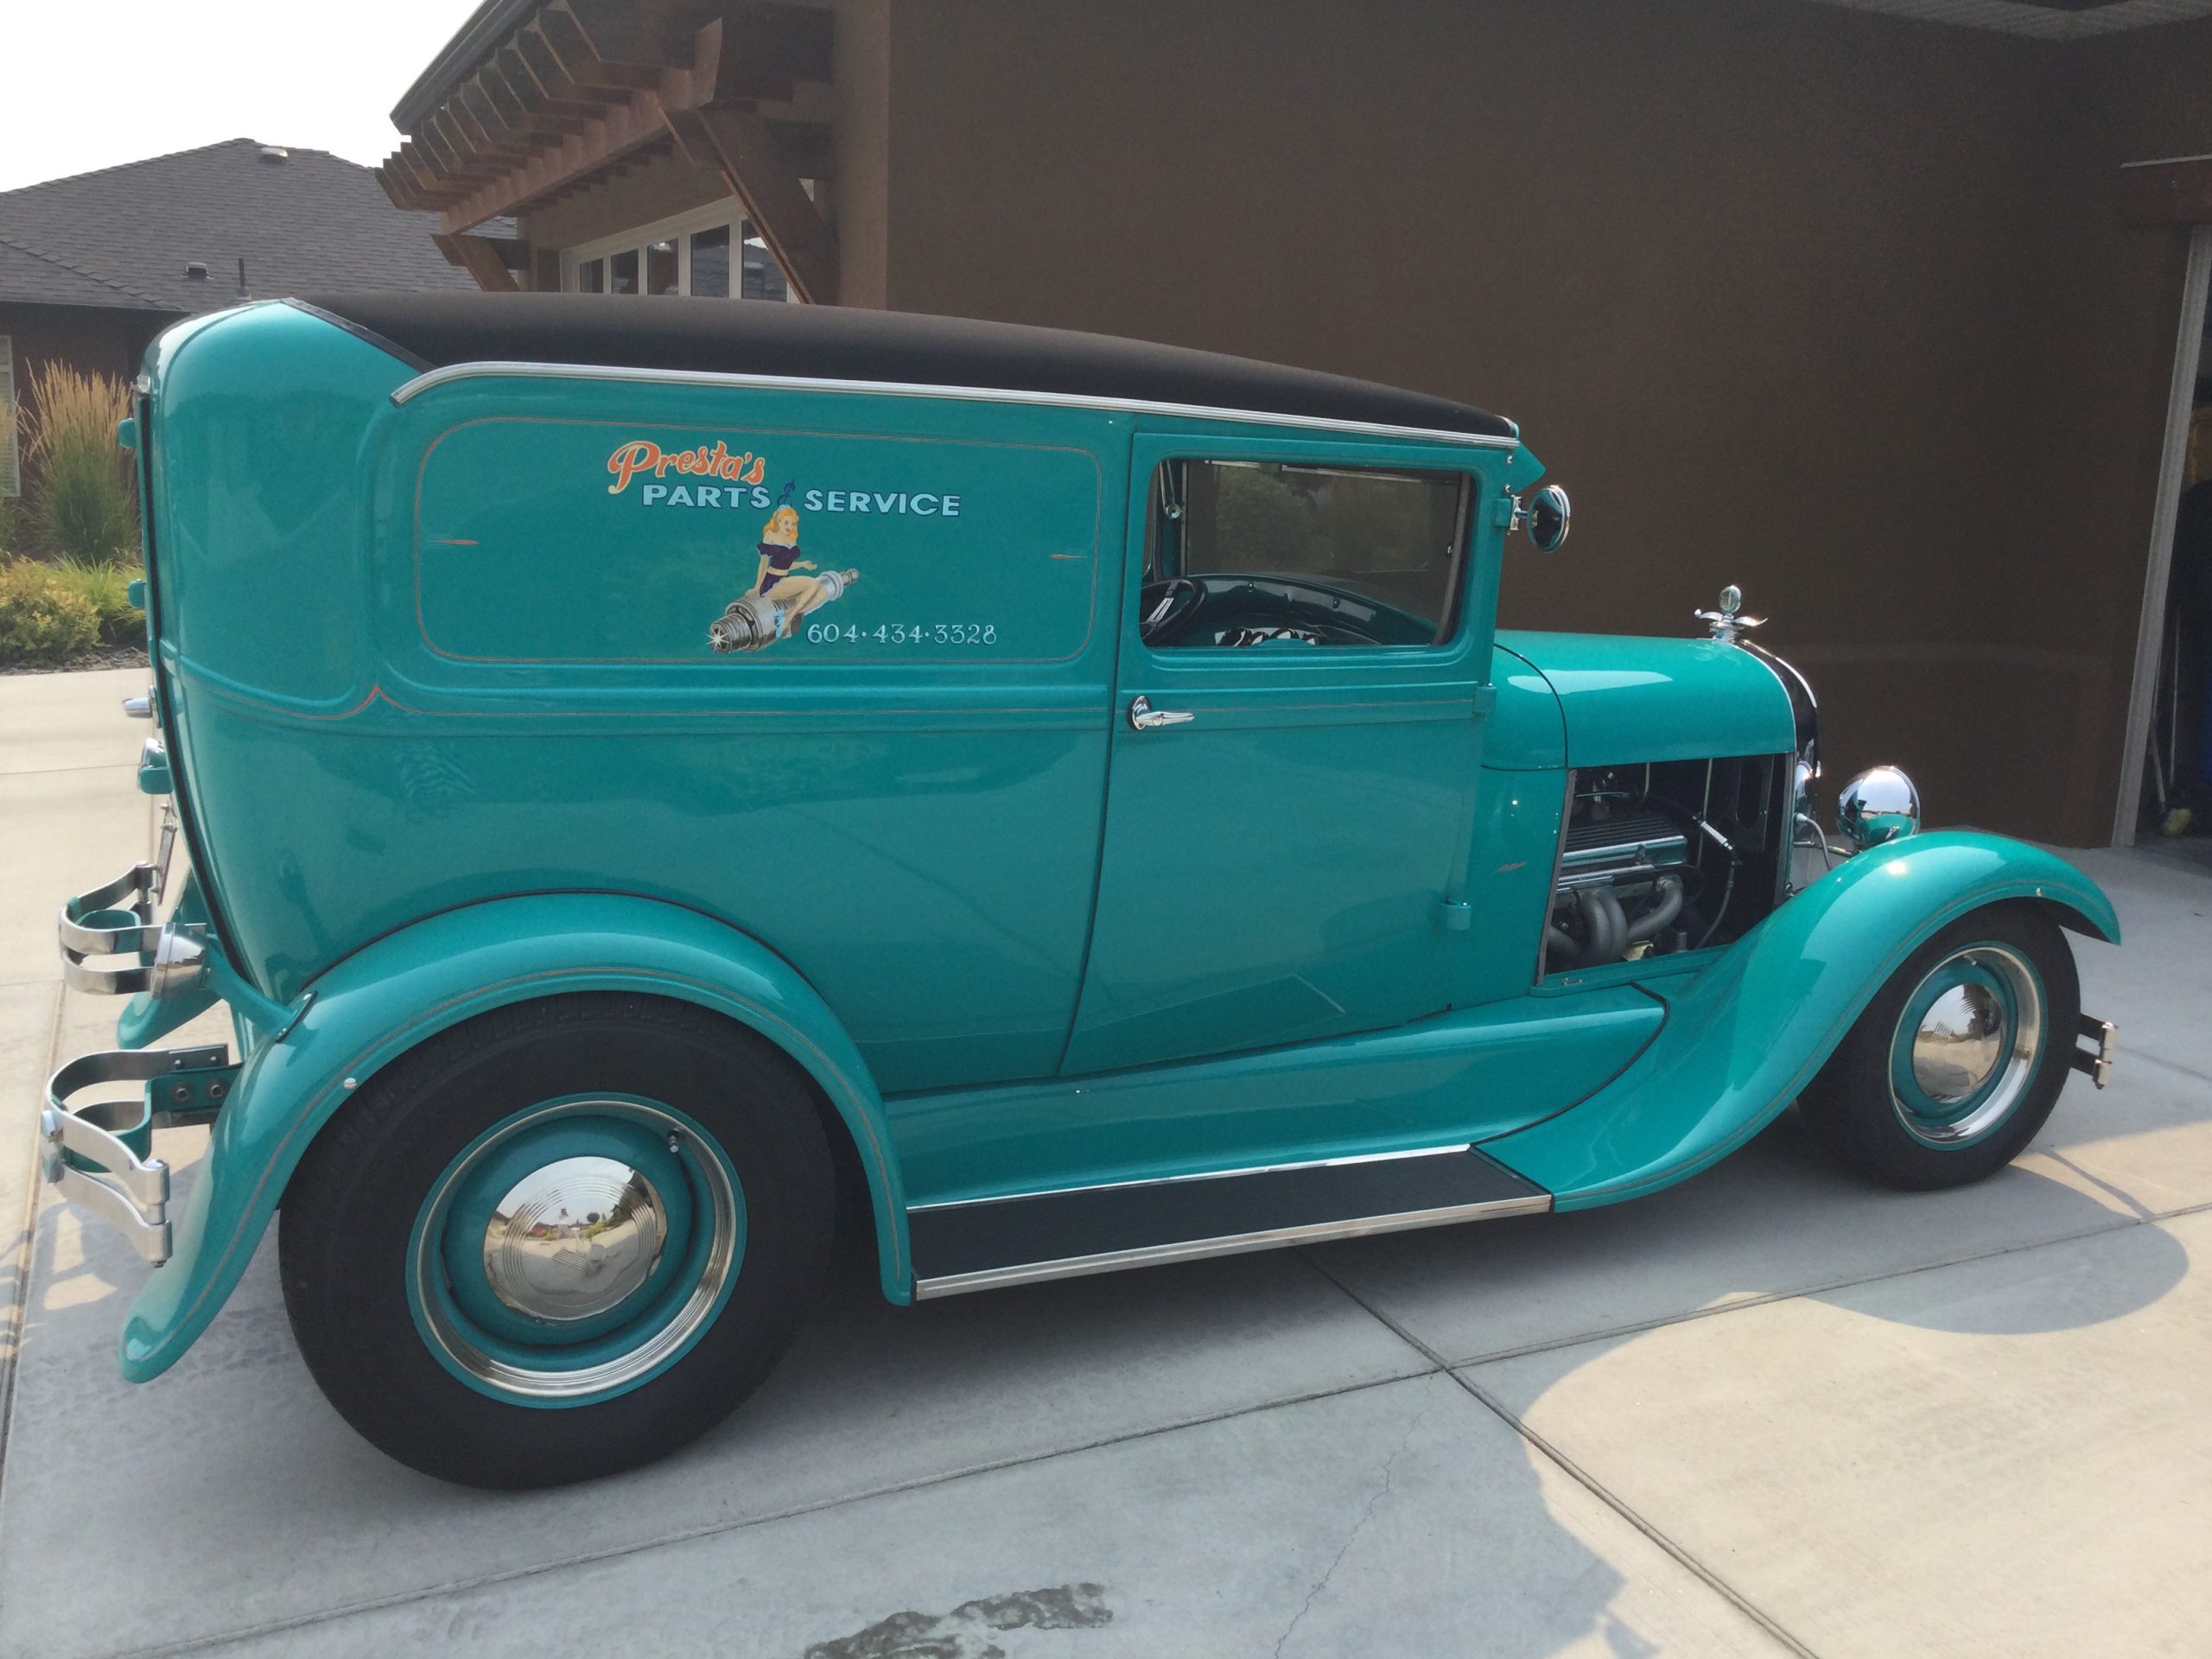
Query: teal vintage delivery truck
point(633, 763)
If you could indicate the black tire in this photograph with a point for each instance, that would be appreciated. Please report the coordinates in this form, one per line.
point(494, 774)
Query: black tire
point(1855, 1109)
point(350, 1213)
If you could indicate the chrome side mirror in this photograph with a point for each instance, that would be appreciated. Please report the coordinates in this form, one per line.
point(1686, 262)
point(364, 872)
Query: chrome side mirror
point(1545, 515)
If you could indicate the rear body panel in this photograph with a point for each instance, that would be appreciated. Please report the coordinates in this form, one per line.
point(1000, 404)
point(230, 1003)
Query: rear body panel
point(486, 670)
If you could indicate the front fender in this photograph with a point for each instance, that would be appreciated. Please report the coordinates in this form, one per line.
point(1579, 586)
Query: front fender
point(381, 1001)
point(1744, 1037)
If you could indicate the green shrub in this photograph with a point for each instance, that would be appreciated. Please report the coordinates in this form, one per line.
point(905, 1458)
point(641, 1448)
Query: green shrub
point(108, 588)
point(42, 622)
point(82, 504)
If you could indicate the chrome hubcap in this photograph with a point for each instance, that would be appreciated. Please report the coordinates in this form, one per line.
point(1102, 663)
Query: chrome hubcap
point(573, 1239)
point(1967, 1046)
point(1962, 1038)
point(576, 1250)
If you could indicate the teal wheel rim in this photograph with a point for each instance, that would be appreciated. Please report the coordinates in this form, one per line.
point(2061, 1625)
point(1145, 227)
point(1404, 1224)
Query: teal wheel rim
point(575, 1250)
point(1967, 1045)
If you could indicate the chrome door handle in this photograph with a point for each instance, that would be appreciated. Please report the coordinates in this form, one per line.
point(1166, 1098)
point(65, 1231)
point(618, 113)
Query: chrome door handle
point(1145, 718)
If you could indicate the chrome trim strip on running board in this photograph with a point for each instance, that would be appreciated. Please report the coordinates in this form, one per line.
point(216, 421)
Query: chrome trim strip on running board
point(1150, 1255)
point(1195, 1175)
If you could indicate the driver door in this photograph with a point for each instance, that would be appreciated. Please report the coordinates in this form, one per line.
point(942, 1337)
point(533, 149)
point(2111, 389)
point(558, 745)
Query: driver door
point(1279, 850)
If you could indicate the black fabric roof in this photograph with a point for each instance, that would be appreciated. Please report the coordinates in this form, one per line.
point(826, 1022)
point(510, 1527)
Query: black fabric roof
point(829, 342)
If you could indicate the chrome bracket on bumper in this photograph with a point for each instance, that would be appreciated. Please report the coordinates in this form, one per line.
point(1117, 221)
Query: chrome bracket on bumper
point(2095, 1061)
point(100, 1153)
point(117, 919)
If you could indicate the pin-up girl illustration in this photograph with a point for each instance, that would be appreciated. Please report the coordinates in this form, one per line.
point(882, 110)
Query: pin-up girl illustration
point(784, 588)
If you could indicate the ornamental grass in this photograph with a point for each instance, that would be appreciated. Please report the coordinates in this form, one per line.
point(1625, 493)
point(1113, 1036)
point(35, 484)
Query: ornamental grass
point(106, 587)
point(82, 506)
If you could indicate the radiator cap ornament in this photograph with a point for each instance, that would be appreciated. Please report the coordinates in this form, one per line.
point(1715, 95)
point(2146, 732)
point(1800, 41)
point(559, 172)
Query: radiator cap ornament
point(1724, 624)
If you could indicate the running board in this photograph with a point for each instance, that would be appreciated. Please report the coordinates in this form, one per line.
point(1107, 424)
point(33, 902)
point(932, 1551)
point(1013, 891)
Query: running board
point(985, 1243)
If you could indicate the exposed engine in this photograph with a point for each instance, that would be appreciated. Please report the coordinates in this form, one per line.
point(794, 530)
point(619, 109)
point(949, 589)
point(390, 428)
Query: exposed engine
point(1672, 856)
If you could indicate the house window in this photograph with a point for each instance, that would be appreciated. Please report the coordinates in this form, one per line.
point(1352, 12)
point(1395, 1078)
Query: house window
point(710, 262)
point(764, 278)
point(660, 268)
point(11, 473)
point(709, 254)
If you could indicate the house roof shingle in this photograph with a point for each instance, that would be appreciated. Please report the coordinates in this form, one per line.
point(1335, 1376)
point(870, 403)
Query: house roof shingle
point(123, 235)
point(28, 275)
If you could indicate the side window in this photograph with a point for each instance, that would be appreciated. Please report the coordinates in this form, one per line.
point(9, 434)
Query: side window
point(1270, 553)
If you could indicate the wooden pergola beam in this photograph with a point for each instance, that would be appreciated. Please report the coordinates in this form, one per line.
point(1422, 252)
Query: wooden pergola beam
point(434, 181)
point(462, 152)
point(491, 85)
point(584, 87)
point(579, 55)
point(644, 34)
point(524, 109)
point(472, 99)
point(737, 144)
point(481, 258)
point(483, 150)
point(409, 185)
point(717, 130)
point(438, 150)
point(623, 128)
point(399, 186)
point(537, 55)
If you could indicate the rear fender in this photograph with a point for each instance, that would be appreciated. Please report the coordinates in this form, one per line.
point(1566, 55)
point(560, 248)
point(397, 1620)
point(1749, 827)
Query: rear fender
point(1743, 1038)
point(379, 1003)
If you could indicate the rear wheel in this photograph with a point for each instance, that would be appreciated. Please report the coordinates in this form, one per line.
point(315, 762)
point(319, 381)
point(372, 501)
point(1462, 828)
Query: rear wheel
point(1960, 1058)
point(558, 1241)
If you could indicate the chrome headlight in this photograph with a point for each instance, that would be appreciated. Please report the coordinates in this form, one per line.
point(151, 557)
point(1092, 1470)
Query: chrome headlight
point(1878, 805)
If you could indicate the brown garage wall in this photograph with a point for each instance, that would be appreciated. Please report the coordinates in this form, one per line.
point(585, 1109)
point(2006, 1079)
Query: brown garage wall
point(2140, 96)
point(1832, 304)
point(94, 339)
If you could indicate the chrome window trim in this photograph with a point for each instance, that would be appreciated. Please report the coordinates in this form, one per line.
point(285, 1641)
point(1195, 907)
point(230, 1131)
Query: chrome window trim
point(1198, 1175)
point(1074, 1267)
point(497, 369)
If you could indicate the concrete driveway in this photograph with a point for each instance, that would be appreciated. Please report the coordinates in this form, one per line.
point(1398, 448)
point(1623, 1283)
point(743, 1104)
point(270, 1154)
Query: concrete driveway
point(1770, 1411)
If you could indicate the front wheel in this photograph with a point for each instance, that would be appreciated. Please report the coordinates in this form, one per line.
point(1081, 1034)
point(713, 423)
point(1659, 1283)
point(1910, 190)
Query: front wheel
point(1958, 1060)
point(561, 1240)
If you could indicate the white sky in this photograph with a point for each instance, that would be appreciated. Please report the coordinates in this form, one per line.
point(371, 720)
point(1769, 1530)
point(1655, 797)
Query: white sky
point(91, 86)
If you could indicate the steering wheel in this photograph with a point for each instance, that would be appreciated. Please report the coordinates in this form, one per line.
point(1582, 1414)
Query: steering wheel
point(1165, 607)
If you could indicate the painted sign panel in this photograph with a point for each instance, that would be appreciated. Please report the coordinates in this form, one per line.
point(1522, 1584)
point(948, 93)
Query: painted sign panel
point(541, 540)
